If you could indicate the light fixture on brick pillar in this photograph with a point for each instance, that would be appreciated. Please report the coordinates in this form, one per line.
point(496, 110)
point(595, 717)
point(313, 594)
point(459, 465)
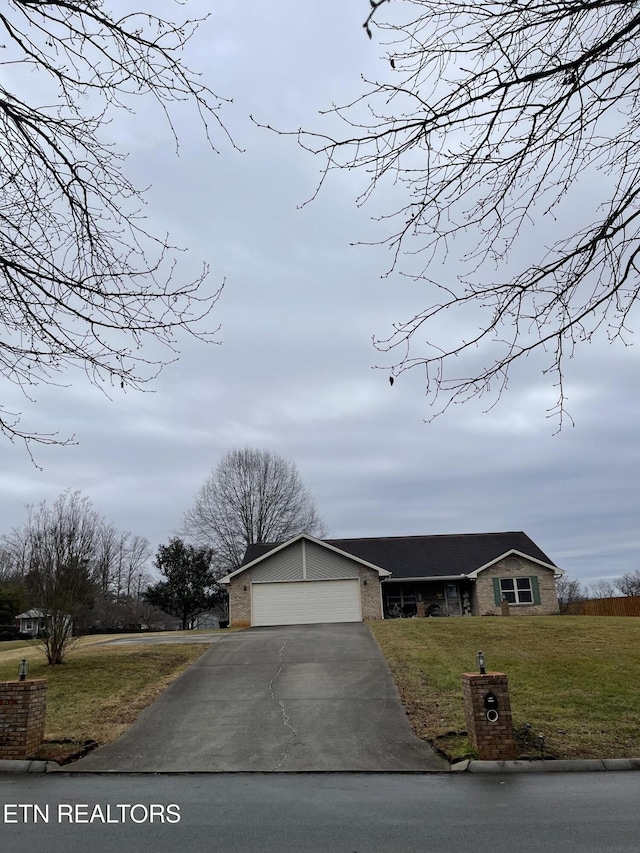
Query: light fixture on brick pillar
point(482, 665)
point(23, 669)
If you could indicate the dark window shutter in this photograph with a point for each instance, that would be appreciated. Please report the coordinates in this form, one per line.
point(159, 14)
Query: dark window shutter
point(535, 588)
point(496, 591)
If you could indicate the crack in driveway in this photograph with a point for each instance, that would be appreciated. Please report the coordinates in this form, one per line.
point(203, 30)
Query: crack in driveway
point(283, 710)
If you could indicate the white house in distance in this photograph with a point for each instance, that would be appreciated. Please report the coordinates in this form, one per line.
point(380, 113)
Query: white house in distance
point(34, 622)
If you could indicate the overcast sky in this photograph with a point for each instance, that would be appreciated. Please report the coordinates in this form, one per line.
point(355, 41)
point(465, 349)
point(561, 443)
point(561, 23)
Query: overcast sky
point(294, 369)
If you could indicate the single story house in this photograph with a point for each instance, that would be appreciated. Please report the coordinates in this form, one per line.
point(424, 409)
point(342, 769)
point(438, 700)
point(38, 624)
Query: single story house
point(308, 580)
point(35, 622)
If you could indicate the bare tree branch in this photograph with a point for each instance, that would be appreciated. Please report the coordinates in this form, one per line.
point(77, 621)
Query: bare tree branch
point(83, 282)
point(510, 130)
point(629, 584)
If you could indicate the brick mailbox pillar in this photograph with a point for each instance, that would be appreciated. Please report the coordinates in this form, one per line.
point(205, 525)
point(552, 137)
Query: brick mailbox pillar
point(492, 738)
point(23, 705)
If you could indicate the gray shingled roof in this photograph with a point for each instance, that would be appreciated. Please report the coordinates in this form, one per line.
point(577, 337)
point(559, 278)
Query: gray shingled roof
point(427, 556)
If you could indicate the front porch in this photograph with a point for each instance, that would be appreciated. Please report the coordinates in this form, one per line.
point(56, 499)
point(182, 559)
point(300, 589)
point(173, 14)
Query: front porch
point(426, 598)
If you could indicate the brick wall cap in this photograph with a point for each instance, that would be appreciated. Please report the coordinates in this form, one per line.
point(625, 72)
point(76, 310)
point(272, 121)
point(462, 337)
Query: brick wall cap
point(484, 675)
point(28, 682)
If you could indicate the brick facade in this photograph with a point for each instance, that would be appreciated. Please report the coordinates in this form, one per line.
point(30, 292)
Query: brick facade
point(370, 595)
point(513, 566)
point(240, 602)
point(492, 741)
point(23, 706)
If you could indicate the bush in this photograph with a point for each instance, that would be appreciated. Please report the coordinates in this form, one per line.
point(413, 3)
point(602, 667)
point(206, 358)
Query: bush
point(9, 632)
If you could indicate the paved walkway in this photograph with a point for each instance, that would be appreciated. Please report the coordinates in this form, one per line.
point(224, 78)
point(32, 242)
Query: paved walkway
point(295, 698)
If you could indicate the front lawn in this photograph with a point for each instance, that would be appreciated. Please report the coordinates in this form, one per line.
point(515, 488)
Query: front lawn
point(101, 690)
point(572, 678)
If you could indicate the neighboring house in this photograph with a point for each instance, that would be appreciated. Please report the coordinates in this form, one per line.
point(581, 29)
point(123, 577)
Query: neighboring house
point(34, 622)
point(307, 580)
point(211, 619)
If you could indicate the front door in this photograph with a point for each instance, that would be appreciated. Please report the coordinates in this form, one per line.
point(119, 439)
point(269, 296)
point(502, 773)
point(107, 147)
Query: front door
point(452, 599)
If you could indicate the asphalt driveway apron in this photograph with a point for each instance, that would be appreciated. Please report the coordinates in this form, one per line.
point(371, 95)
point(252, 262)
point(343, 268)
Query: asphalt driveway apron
point(294, 698)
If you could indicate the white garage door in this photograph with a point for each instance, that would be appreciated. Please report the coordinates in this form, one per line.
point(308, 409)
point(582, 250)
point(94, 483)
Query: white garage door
point(305, 602)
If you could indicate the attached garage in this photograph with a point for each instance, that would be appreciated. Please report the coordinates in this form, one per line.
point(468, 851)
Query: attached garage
point(305, 602)
point(304, 581)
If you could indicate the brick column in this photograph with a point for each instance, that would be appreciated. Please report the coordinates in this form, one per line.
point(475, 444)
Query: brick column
point(493, 741)
point(23, 706)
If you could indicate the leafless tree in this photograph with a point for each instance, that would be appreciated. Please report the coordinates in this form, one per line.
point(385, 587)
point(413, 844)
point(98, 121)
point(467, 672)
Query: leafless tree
point(7, 567)
point(120, 563)
point(568, 590)
point(84, 283)
point(77, 569)
point(251, 496)
point(629, 584)
point(602, 589)
point(506, 133)
point(57, 545)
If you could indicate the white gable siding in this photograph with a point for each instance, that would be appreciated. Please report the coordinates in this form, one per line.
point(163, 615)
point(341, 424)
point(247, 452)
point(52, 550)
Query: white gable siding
point(323, 564)
point(286, 565)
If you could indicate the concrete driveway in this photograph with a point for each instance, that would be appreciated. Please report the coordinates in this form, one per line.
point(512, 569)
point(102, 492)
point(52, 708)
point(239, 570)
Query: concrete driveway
point(295, 698)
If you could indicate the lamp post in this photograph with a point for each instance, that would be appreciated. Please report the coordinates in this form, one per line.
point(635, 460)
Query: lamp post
point(482, 665)
point(23, 669)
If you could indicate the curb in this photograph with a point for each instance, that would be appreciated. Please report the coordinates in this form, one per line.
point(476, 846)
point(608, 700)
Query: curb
point(27, 766)
point(588, 765)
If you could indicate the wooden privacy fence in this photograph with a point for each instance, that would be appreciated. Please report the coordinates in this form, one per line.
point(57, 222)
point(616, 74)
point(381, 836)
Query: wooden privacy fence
point(624, 606)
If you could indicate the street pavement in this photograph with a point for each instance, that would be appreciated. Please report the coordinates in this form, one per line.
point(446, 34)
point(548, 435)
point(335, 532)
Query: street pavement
point(306, 813)
point(294, 698)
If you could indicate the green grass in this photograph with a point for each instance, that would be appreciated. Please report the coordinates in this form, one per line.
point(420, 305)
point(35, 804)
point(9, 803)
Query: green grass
point(100, 691)
point(8, 645)
point(574, 679)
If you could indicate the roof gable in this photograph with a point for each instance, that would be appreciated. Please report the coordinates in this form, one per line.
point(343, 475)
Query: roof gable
point(511, 553)
point(34, 613)
point(255, 554)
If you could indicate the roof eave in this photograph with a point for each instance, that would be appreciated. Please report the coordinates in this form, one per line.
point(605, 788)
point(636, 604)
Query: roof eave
point(407, 579)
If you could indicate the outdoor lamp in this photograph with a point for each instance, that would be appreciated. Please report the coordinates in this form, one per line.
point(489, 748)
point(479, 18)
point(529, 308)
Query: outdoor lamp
point(482, 664)
point(23, 669)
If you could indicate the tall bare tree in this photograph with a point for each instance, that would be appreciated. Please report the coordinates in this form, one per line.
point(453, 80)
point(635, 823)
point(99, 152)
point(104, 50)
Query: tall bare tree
point(83, 281)
point(507, 133)
point(77, 569)
point(57, 546)
point(251, 496)
point(120, 564)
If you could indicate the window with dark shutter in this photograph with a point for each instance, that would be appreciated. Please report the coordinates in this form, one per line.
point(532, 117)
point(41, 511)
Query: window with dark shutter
point(519, 590)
